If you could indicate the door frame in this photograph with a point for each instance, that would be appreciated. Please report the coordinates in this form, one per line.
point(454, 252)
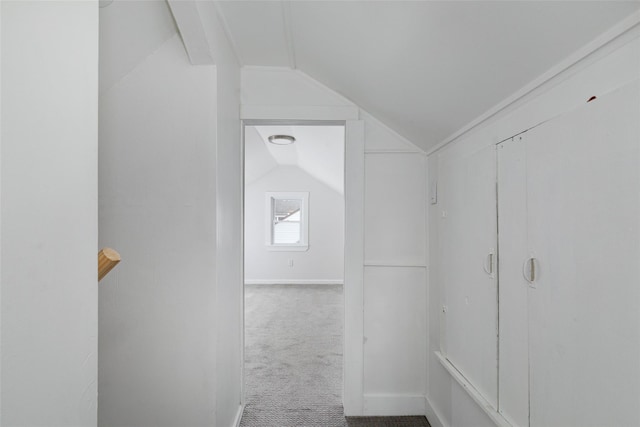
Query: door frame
point(353, 287)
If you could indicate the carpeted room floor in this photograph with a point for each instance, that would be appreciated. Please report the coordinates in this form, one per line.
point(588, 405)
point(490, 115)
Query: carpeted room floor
point(293, 359)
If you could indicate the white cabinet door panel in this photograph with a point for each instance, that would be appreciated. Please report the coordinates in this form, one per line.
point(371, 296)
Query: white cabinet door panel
point(583, 188)
point(513, 378)
point(467, 186)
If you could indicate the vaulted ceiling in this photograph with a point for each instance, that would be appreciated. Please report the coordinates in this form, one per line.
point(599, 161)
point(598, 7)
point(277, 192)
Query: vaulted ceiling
point(318, 151)
point(425, 68)
point(130, 31)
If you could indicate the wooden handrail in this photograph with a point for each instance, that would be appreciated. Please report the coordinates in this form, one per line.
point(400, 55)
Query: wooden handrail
point(107, 259)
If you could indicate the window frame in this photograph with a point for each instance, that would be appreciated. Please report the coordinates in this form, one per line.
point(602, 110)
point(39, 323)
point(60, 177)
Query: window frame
point(270, 197)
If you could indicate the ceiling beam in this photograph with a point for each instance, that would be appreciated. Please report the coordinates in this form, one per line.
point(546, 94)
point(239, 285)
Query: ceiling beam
point(194, 38)
point(227, 31)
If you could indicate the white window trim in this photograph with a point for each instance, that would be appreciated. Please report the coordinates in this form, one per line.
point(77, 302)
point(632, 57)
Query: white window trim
point(304, 221)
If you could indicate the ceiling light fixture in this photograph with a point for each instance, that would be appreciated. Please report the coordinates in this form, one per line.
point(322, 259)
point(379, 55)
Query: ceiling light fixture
point(281, 139)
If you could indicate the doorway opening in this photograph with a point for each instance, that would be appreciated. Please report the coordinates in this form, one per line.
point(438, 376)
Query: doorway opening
point(294, 235)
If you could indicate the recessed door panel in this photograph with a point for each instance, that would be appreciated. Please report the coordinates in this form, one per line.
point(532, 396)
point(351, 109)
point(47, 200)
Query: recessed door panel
point(583, 188)
point(467, 184)
point(513, 378)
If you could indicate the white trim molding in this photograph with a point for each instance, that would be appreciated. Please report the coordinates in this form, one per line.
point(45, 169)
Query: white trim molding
point(393, 151)
point(353, 375)
point(238, 418)
point(477, 397)
point(382, 264)
point(606, 43)
point(277, 112)
point(433, 416)
point(192, 32)
point(294, 282)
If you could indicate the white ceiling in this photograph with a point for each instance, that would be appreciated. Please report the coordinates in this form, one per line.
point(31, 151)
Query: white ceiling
point(318, 150)
point(425, 68)
point(129, 31)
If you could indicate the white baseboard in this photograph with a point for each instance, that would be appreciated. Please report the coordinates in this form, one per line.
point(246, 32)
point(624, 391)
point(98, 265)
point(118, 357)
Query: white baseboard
point(295, 282)
point(393, 405)
point(433, 416)
point(236, 423)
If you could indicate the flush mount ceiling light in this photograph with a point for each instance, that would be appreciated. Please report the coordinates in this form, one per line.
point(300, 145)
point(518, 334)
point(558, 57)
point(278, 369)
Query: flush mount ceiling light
point(281, 139)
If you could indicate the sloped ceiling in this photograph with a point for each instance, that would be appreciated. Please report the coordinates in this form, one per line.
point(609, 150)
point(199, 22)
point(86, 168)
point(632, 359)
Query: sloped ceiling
point(318, 150)
point(425, 68)
point(129, 32)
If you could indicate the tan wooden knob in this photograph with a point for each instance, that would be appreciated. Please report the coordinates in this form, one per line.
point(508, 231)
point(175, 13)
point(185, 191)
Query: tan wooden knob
point(107, 259)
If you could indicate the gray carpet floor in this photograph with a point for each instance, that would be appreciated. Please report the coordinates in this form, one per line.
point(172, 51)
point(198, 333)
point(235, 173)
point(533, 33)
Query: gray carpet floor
point(293, 359)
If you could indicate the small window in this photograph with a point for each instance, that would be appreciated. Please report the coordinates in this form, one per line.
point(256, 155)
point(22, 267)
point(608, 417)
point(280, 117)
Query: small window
point(287, 221)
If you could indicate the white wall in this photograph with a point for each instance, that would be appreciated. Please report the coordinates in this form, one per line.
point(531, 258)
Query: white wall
point(170, 202)
point(229, 281)
point(158, 209)
point(393, 320)
point(602, 72)
point(394, 283)
point(323, 262)
point(150, 21)
point(49, 213)
point(229, 244)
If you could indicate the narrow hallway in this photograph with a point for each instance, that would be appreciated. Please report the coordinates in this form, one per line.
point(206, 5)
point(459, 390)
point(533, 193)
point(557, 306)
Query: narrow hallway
point(293, 359)
point(293, 355)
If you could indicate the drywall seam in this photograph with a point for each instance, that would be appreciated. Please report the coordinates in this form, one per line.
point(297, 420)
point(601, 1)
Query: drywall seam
point(574, 62)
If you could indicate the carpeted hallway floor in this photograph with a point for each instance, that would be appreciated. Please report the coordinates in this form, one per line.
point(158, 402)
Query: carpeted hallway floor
point(293, 359)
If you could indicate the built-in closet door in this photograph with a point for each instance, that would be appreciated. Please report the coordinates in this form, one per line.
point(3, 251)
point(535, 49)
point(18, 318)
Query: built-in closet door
point(513, 378)
point(569, 226)
point(583, 187)
point(467, 192)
